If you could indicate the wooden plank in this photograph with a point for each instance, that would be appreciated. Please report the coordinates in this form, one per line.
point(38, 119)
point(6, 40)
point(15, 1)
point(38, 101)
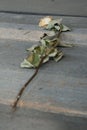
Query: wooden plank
point(64, 7)
point(73, 22)
point(22, 32)
point(59, 87)
point(34, 120)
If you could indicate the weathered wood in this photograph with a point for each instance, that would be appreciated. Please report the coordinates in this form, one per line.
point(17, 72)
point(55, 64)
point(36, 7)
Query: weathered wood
point(64, 7)
point(59, 87)
point(22, 32)
point(25, 119)
point(77, 22)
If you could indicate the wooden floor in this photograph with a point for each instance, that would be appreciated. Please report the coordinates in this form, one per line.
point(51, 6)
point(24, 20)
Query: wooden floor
point(59, 87)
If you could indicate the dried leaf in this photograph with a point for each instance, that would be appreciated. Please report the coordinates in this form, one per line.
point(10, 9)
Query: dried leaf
point(62, 44)
point(49, 44)
point(32, 60)
point(46, 59)
point(32, 48)
point(65, 28)
point(57, 27)
point(26, 64)
point(58, 56)
point(53, 53)
point(53, 25)
point(36, 60)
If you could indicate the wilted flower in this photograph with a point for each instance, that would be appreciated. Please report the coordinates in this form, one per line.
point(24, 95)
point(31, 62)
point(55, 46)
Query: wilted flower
point(45, 21)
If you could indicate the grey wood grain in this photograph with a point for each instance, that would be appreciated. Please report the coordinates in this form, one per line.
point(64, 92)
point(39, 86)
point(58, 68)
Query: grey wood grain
point(64, 7)
point(59, 87)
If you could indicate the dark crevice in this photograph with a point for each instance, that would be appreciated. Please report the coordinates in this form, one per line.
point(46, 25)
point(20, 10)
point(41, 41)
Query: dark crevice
point(34, 13)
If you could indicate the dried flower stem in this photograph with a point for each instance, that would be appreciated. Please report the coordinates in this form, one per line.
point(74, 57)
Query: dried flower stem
point(26, 84)
point(14, 106)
